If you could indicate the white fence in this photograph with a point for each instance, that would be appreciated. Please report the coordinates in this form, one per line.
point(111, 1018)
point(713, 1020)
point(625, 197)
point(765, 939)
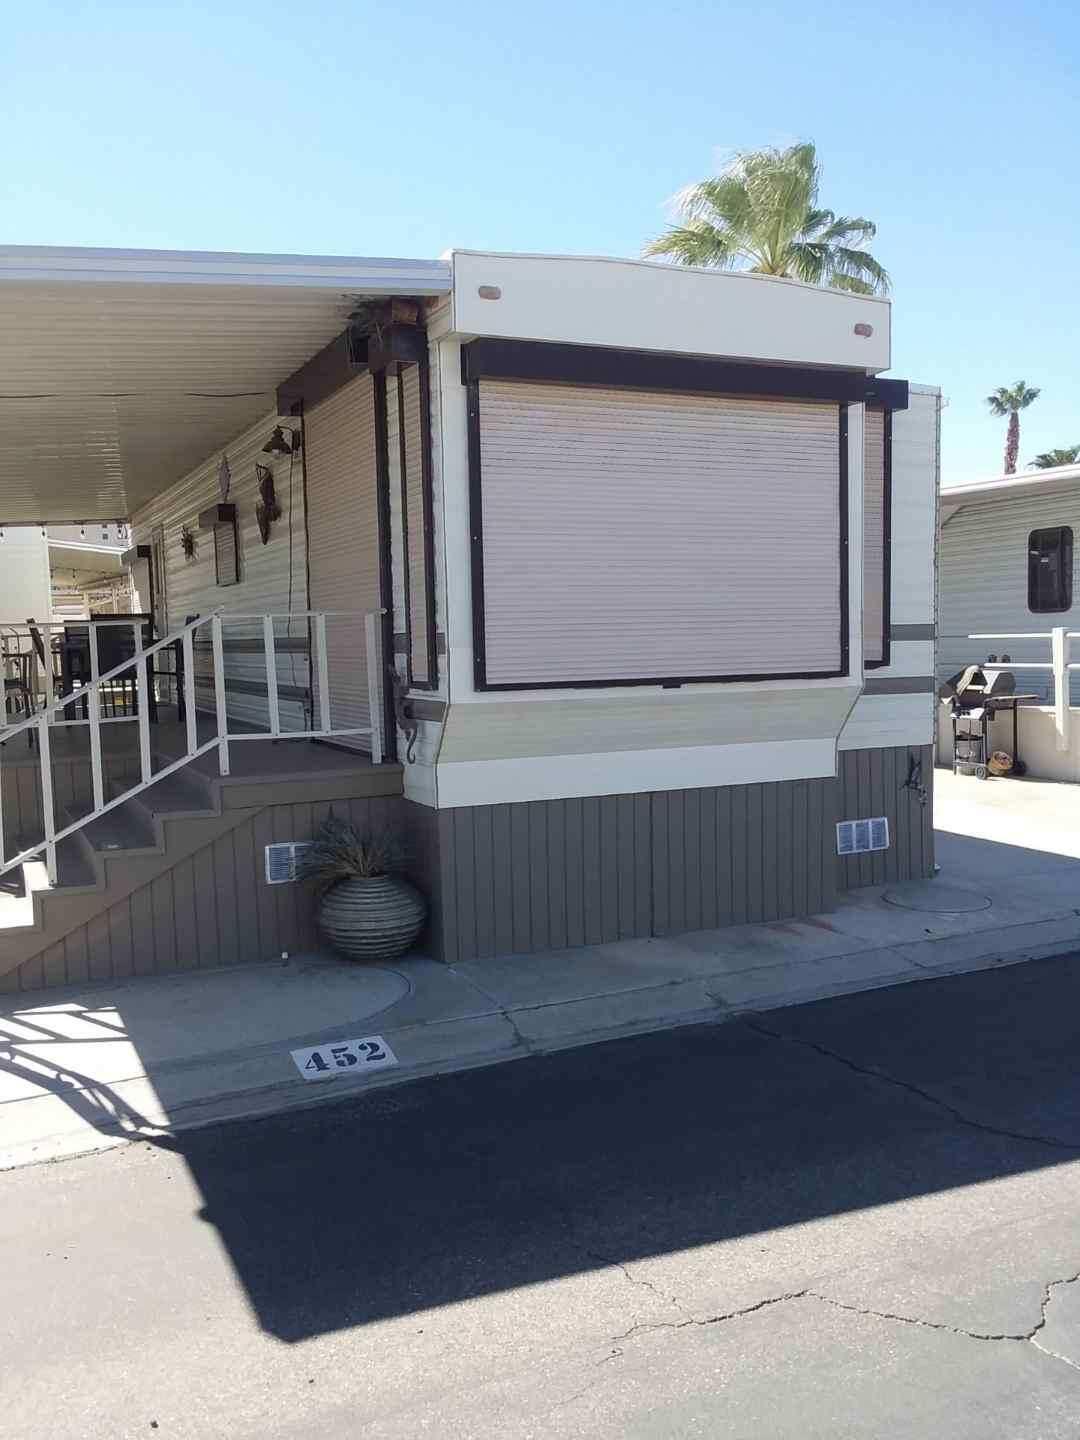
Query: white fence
point(63, 711)
point(1060, 666)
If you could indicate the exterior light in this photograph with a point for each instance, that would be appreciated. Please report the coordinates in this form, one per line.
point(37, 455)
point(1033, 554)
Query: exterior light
point(277, 444)
point(489, 292)
point(863, 329)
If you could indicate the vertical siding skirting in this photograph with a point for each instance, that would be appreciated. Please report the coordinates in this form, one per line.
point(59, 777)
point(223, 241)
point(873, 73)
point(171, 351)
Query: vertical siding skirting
point(547, 874)
point(525, 877)
point(211, 909)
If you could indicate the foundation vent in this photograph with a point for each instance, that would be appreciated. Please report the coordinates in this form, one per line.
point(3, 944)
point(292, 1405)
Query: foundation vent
point(282, 860)
point(856, 837)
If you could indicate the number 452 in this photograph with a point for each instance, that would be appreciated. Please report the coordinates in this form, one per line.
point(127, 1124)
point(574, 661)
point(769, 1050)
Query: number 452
point(346, 1054)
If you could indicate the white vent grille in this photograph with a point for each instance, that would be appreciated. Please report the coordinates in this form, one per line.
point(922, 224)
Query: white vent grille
point(282, 859)
point(856, 837)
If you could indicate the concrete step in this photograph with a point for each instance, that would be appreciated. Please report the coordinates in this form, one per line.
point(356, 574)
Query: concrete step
point(74, 867)
point(176, 795)
point(128, 827)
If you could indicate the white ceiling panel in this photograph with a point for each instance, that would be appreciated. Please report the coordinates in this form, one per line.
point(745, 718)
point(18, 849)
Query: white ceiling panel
point(120, 370)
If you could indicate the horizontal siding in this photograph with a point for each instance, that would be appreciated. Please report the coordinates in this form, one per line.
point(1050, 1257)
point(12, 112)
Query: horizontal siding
point(983, 585)
point(343, 539)
point(636, 534)
point(273, 577)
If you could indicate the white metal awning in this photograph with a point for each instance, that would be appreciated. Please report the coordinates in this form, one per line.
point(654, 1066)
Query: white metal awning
point(122, 369)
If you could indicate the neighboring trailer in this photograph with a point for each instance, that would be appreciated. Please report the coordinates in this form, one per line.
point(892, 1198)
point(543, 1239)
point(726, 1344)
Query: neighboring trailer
point(993, 535)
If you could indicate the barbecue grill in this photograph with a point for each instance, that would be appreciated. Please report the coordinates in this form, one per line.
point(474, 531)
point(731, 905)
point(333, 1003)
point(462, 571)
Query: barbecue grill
point(975, 696)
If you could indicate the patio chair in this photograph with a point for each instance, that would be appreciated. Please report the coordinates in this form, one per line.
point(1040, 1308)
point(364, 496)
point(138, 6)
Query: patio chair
point(19, 702)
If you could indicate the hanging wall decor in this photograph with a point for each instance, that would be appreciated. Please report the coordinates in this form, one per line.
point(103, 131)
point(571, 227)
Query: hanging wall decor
point(224, 477)
point(267, 509)
point(187, 543)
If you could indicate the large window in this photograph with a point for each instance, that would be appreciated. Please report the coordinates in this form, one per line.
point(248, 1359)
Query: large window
point(636, 536)
point(1050, 566)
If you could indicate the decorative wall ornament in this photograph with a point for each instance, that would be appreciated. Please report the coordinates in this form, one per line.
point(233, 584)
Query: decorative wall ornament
point(224, 478)
point(187, 543)
point(267, 509)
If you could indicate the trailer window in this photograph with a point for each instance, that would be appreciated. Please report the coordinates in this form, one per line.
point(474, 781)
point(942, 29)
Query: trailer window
point(634, 537)
point(1050, 570)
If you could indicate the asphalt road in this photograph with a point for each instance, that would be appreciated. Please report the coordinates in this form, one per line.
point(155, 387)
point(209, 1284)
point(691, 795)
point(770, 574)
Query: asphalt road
point(859, 1218)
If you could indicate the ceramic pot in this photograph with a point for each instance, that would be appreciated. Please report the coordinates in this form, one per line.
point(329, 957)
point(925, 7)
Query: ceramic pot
point(377, 918)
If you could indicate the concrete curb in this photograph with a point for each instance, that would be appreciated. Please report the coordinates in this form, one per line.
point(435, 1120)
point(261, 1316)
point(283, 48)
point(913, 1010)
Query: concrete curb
point(661, 1011)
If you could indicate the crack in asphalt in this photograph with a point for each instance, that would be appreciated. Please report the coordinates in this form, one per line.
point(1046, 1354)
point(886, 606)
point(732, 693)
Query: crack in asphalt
point(873, 1073)
point(627, 1274)
point(1020, 1335)
point(710, 1319)
point(868, 1312)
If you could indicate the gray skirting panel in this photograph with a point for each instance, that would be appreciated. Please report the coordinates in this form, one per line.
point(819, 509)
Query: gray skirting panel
point(547, 874)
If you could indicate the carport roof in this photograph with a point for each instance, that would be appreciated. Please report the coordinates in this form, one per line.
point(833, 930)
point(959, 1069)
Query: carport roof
point(122, 369)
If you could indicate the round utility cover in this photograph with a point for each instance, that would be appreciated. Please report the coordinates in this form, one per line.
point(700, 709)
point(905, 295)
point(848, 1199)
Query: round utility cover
point(936, 899)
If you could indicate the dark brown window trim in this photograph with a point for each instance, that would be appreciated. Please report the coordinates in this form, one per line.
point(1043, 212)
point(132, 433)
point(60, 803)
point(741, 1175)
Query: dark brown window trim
point(427, 538)
point(540, 360)
point(476, 533)
point(886, 554)
point(386, 573)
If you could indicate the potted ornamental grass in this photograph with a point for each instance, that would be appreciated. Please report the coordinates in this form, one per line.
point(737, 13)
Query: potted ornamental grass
point(366, 911)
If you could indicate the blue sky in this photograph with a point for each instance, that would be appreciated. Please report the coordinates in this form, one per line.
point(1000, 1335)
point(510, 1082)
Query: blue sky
point(404, 129)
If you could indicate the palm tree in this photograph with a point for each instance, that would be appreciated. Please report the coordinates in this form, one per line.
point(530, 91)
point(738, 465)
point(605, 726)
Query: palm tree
point(1049, 458)
point(761, 214)
point(1006, 401)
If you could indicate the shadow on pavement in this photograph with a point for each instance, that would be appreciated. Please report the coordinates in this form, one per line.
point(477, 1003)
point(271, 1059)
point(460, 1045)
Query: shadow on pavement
point(446, 1189)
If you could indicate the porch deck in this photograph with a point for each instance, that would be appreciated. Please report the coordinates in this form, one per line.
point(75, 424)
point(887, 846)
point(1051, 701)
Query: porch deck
point(266, 757)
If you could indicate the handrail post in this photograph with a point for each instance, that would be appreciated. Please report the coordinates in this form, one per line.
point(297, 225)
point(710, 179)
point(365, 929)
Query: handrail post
point(323, 671)
point(374, 699)
point(142, 700)
point(188, 647)
point(219, 695)
point(1059, 654)
point(271, 674)
point(93, 713)
point(45, 761)
point(50, 679)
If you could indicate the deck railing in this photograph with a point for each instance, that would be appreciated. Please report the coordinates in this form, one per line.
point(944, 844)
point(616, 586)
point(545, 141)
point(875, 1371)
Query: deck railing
point(88, 698)
point(1060, 665)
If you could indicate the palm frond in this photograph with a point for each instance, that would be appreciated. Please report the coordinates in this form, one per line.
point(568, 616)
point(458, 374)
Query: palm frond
point(762, 212)
point(846, 263)
point(696, 243)
point(1049, 459)
point(1011, 399)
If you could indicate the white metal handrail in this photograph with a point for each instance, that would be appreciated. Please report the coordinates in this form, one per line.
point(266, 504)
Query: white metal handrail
point(1059, 665)
point(89, 694)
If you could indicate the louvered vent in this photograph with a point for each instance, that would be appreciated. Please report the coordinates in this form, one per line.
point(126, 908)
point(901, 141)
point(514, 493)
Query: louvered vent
point(856, 837)
point(282, 860)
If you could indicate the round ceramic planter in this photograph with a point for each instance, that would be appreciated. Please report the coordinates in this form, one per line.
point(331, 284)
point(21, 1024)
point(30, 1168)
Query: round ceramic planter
point(372, 919)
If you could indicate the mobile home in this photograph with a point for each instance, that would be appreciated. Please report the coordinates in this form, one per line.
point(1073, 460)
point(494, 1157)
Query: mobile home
point(608, 584)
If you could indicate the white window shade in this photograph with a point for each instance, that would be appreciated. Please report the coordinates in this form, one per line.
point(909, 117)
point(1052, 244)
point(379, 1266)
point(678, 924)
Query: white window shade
point(874, 538)
point(640, 536)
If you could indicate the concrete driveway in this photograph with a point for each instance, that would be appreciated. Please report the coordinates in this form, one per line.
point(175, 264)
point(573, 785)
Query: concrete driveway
point(859, 1218)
